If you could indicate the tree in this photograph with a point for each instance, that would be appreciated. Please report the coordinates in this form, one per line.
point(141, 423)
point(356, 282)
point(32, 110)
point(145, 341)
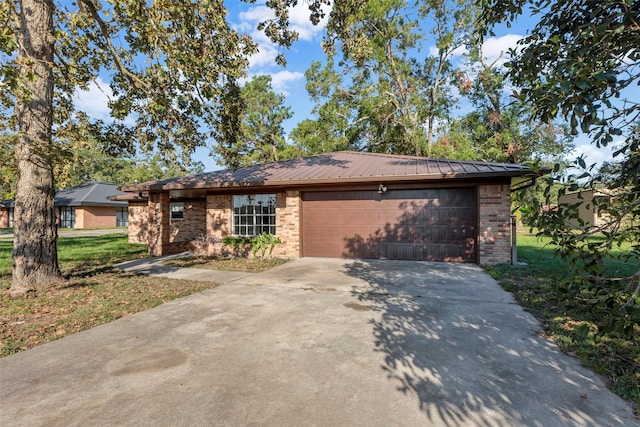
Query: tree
point(388, 87)
point(580, 62)
point(169, 64)
point(261, 136)
point(87, 163)
point(331, 131)
point(500, 129)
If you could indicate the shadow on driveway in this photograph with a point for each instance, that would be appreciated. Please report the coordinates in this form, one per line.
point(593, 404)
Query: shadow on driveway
point(314, 342)
point(453, 339)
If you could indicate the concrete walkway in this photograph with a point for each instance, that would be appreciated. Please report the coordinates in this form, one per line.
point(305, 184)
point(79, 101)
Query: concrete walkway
point(315, 342)
point(155, 267)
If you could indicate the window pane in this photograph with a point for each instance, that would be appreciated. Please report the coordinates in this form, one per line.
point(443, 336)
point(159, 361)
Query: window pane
point(177, 210)
point(254, 214)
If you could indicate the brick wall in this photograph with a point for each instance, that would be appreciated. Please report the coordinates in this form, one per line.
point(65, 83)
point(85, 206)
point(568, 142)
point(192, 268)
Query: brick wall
point(494, 219)
point(138, 222)
point(193, 224)
point(218, 216)
point(79, 218)
point(158, 210)
point(95, 217)
point(219, 220)
point(4, 218)
point(288, 208)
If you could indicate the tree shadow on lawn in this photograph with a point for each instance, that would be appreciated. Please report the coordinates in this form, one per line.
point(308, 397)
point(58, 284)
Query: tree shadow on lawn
point(454, 340)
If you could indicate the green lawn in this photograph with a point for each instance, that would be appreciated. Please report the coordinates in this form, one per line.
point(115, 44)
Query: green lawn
point(535, 285)
point(94, 292)
point(78, 254)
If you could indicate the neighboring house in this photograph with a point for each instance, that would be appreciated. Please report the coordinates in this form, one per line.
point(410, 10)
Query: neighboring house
point(340, 205)
point(84, 206)
point(587, 214)
point(6, 214)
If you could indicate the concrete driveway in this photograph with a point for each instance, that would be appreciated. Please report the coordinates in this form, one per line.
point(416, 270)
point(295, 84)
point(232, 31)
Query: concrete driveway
point(315, 342)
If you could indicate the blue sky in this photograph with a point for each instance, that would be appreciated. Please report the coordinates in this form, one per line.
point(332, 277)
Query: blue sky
point(290, 80)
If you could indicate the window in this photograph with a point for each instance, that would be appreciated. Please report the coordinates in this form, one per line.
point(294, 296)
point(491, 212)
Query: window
point(10, 218)
point(67, 217)
point(122, 217)
point(177, 210)
point(254, 214)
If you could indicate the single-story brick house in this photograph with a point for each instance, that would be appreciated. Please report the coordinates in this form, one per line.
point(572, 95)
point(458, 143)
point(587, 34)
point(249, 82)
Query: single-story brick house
point(83, 206)
point(343, 204)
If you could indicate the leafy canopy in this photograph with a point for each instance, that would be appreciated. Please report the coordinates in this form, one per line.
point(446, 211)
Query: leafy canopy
point(169, 66)
point(581, 62)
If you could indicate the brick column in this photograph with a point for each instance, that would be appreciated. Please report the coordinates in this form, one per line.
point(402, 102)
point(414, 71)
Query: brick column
point(288, 208)
point(218, 215)
point(495, 220)
point(159, 216)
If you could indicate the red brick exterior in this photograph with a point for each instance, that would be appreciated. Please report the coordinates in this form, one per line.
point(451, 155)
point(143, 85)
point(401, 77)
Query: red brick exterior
point(219, 220)
point(218, 216)
point(95, 217)
point(138, 222)
point(494, 234)
point(212, 217)
point(159, 223)
point(193, 224)
point(4, 218)
point(288, 208)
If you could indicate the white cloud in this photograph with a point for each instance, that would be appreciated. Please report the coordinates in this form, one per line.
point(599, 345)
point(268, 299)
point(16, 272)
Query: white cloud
point(94, 100)
point(301, 23)
point(282, 79)
point(593, 154)
point(459, 51)
point(493, 49)
point(497, 48)
point(266, 56)
point(267, 51)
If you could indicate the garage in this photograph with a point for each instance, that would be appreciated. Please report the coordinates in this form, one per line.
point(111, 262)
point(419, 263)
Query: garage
point(437, 224)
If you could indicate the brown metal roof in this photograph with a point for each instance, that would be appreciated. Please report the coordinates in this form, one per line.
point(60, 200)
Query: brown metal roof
point(338, 167)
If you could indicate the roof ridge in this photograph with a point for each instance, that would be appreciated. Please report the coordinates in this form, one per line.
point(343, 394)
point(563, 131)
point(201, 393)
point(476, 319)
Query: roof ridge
point(408, 156)
point(93, 185)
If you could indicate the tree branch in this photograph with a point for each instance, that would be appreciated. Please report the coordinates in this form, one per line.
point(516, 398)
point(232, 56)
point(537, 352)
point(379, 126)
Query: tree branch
point(132, 77)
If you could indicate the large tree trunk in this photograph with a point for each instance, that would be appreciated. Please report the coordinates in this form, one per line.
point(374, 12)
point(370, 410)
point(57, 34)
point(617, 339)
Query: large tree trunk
point(35, 255)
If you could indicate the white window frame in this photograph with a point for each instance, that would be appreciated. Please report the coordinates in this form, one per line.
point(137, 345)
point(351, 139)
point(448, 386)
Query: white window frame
point(253, 214)
point(176, 211)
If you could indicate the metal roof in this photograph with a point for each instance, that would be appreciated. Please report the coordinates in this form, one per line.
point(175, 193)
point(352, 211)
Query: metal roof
point(335, 168)
point(93, 193)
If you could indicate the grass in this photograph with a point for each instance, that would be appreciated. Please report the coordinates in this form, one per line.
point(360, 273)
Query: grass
point(255, 265)
point(615, 358)
point(94, 293)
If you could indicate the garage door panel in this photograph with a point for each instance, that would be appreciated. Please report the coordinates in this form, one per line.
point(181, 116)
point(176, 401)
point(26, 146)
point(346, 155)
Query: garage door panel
point(428, 224)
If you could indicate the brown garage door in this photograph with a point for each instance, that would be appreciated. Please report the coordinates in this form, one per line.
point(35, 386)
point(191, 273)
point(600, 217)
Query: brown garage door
point(427, 224)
